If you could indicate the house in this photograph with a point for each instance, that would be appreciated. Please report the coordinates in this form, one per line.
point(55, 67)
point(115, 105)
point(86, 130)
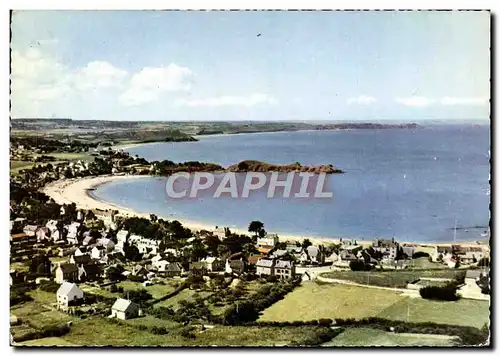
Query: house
point(268, 240)
point(113, 257)
point(89, 272)
point(88, 240)
point(284, 269)
point(68, 293)
point(30, 230)
point(139, 270)
point(315, 254)
point(121, 236)
point(51, 225)
point(42, 234)
point(173, 269)
point(388, 248)
point(265, 266)
point(333, 257)
point(82, 250)
point(66, 272)
point(441, 252)
point(80, 260)
point(16, 277)
point(279, 253)
point(106, 243)
point(98, 252)
point(124, 309)
point(213, 264)
point(66, 251)
point(236, 266)
point(73, 231)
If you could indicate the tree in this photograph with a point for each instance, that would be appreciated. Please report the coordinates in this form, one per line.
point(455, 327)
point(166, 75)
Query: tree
point(306, 243)
point(359, 265)
point(131, 252)
point(255, 227)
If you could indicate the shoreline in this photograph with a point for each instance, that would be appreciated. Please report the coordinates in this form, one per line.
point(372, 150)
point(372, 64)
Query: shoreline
point(77, 190)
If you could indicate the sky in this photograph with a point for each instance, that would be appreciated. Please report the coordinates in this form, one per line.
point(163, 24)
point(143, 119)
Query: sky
point(167, 65)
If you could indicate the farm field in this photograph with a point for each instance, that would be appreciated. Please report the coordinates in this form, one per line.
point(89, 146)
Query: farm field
point(465, 312)
point(156, 290)
point(315, 301)
point(47, 341)
point(374, 337)
point(394, 279)
point(185, 294)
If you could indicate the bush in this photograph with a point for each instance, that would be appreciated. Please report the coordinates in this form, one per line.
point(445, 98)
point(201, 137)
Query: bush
point(159, 330)
point(113, 288)
point(359, 265)
point(420, 254)
point(448, 293)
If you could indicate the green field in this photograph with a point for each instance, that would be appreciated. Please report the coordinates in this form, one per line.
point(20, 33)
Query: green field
point(102, 332)
point(314, 301)
point(465, 312)
point(374, 337)
point(394, 279)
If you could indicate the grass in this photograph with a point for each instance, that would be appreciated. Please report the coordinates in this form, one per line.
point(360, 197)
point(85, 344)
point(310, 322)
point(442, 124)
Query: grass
point(156, 290)
point(394, 279)
point(150, 321)
point(185, 294)
point(47, 341)
point(375, 337)
point(101, 332)
point(315, 301)
point(424, 263)
point(465, 312)
point(43, 297)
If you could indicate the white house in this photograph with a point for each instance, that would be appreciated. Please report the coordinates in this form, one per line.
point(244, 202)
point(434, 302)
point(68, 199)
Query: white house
point(265, 266)
point(68, 292)
point(124, 309)
point(213, 264)
point(98, 252)
point(121, 236)
point(268, 240)
point(106, 243)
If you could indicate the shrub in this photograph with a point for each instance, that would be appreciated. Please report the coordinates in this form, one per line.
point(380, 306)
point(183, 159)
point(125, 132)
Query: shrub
point(448, 293)
point(359, 265)
point(159, 330)
point(113, 288)
point(420, 254)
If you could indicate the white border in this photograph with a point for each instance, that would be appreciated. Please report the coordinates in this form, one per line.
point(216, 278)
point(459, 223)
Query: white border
point(179, 4)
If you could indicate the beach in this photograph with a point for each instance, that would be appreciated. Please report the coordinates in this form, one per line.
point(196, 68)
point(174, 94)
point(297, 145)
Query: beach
point(76, 191)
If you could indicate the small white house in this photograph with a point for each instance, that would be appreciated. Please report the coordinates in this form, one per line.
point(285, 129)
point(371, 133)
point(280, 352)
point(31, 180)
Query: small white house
point(124, 309)
point(67, 293)
point(268, 240)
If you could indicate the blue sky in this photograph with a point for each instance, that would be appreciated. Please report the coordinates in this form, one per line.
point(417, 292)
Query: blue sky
point(160, 65)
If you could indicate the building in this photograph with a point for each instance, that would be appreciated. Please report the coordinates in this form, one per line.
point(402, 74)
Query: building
point(315, 254)
point(173, 270)
point(388, 248)
point(89, 272)
point(213, 264)
point(30, 230)
point(124, 309)
point(284, 269)
point(80, 260)
point(265, 266)
point(98, 252)
point(66, 272)
point(68, 293)
point(42, 234)
point(268, 240)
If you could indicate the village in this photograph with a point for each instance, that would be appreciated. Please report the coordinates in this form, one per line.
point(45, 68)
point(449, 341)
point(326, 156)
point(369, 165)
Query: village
point(84, 266)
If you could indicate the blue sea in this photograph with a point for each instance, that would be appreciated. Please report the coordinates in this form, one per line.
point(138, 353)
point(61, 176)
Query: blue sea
point(410, 184)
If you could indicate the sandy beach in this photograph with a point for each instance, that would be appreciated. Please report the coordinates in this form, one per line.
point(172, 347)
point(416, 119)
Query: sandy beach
point(77, 191)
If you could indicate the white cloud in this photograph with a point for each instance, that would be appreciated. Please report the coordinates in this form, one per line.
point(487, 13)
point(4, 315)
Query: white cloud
point(362, 100)
point(464, 101)
point(251, 100)
point(147, 85)
point(415, 101)
point(99, 74)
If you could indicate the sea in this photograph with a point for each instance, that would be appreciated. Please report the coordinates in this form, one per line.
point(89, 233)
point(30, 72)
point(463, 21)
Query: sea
point(429, 184)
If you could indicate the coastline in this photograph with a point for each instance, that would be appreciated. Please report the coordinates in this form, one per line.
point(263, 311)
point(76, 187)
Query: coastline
point(77, 190)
